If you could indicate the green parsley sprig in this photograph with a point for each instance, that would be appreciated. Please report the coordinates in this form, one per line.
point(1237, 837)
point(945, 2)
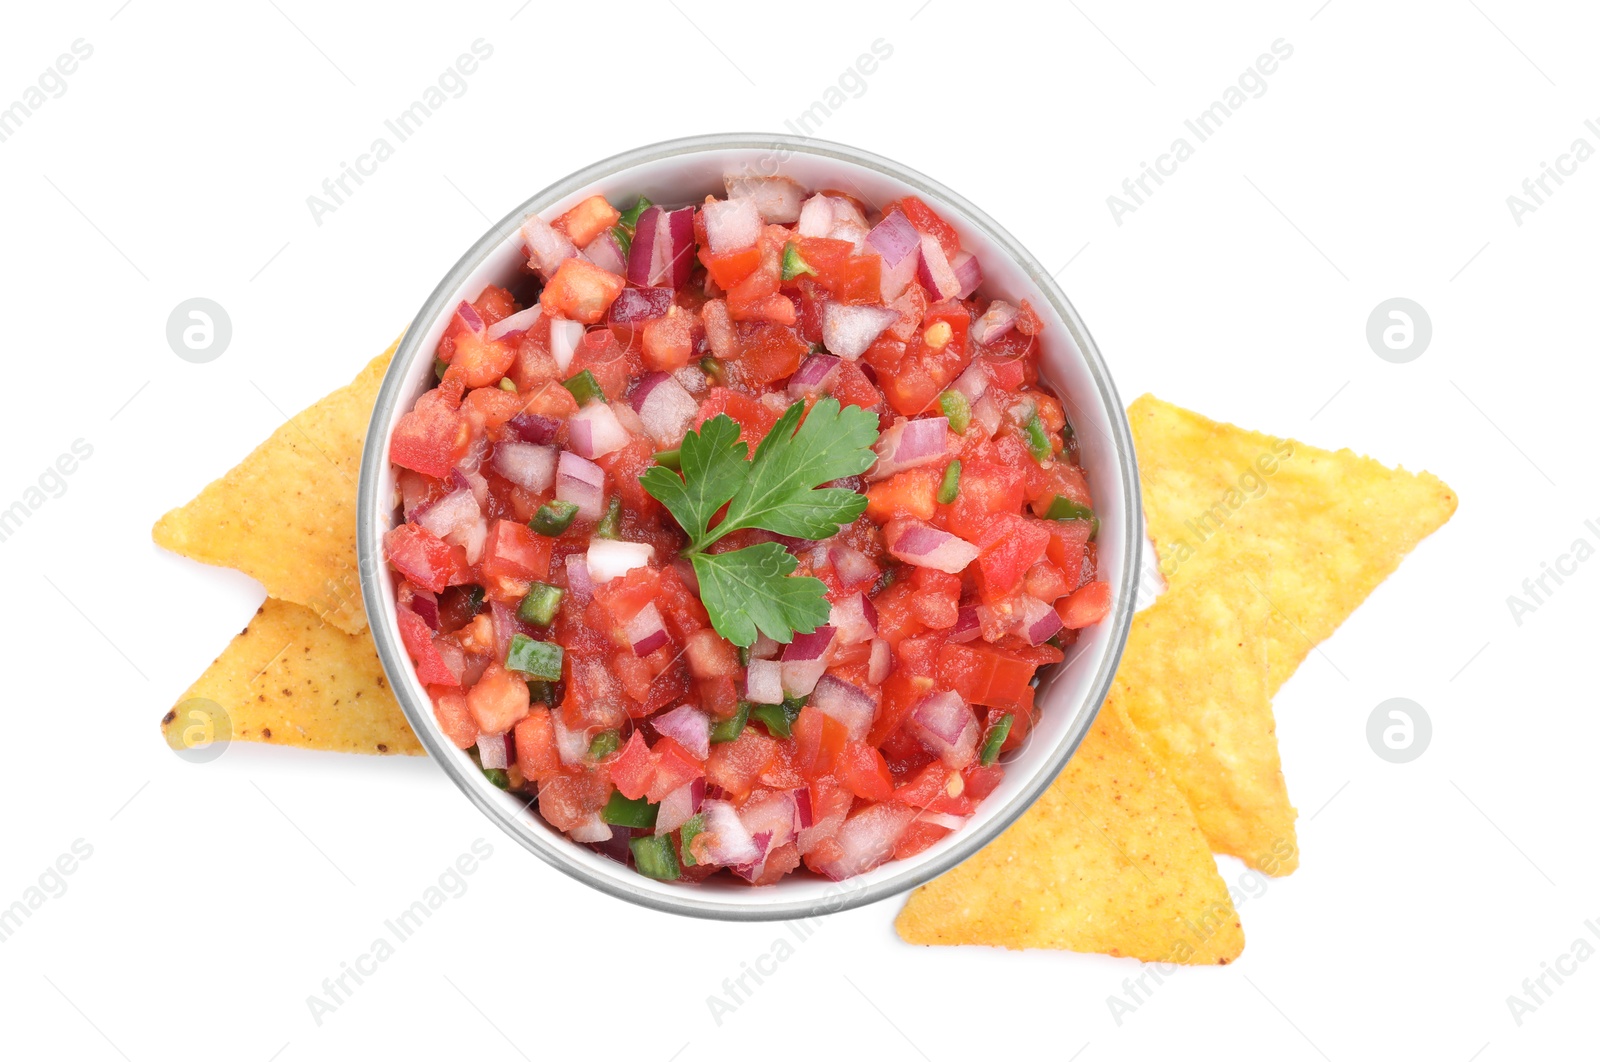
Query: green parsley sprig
point(779, 490)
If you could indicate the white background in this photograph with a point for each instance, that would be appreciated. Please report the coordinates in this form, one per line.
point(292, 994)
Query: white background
point(1377, 164)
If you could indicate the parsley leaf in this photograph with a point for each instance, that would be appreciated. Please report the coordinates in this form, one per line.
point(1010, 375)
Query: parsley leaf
point(777, 490)
point(751, 588)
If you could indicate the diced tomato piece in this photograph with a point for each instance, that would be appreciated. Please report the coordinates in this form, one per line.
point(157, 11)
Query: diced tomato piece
point(901, 693)
point(912, 494)
point(852, 388)
point(1045, 581)
point(937, 599)
point(1087, 606)
point(897, 616)
point(781, 772)
point(747, 298)
point(850, 278)
point(580, 291)
point(623, 598)
point(668, 341)
point(985, 675)
point(753, 418)
point(566, 800)
point(929, 786)
point(935, 355)
point(450, 711)
point(767, 352)
point(1063, 478)
point(923, 218)
point(919, 837)
point(535, 736)
point(432, 668)
point(633, 768)
point(606, 359)
point(424, 558)
point(1069, 539)
point(986, 489)
point(431, 438)
point(727, 270)
point(515, 551)
point(588, 219)
point(862, 770)
point(737, 765)
point(672, 767)
point(498, 700)
point(819, 742)
point(1007, 372)
point(709, 655)
point(635, 676)
point(481, 361)
point(490, 407)
point(719, 696)
point(680, 606)
point(668, 689)
point(981, 781)
point(1010, 545)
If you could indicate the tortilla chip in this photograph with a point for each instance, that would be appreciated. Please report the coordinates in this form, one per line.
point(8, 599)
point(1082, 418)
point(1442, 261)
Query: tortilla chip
point(1108, 860)
point(1194, 681)
point(1332, 526)
point(286, 515)
point(290, 679)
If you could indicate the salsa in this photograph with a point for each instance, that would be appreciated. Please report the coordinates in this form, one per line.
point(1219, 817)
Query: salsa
point(674, 679)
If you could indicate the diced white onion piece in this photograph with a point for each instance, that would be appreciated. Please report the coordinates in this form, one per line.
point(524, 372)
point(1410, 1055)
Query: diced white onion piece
point(592, 830)
point(548, 246)
point(680, 805)
point(972, 383)
point(934, 272)
point(689, 727)
point(727, 842)
point(996, 321)
point(910, 444)
point(667, 410)
point(852, 619)
point(880, 662)
point(594, 431)
point(1037, 621)
point(609, 558)
point(777, 199)
point(969, 274)
point(848, 331)
point(647, 631)
point(946, 726)
point(731, 224)
point(565, 336)
point(846, 704)
point(492, 754)
point(517, 323)
point(571, 745)
point(866, 840)
point(816, 217)
point(763, 682)
point(526, 465)
point(581, 482)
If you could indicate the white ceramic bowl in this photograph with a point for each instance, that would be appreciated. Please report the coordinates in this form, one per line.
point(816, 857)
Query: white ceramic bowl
point(685, 171)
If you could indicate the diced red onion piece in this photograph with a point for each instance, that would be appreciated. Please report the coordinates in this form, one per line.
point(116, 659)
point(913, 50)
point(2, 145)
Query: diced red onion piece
point(996, 321)
point(802, 808)
point(811, 646)
point(565, 336)
point(606, 253)
point(571, 745)
point(894, 238)
point(579, 585)
point(972, 383)
point(813, 375)
point(765, 648)
point(492, 751)
point(526, 465)
point(534, 427)
point(845, 703)
point(726, 841)
point(634, 305)
point(548, 246)
point(777, 199)
point(752, 870)
point(680, 805)
point(848, 331)
point(763, 682)
point(516, 324)
point(663, 248)
point(647, 631)
point(688, 726)
point(967, 626)
point(731, 224)
point(946, 726)
point(853, 567)
point(816, 217)
point(594, 431)
point(927, 547)
point(665, 409)
point(894, 280)
point(1038, 621)
point(850, 619)
point(451, 514)
point(866, 840)
point(986, 412)
point(804, 661)
point(969, 274)
point(470, 317)
point(425, 603)
point(880, 662)
point(909, 444)
point(608, 558)
point(934, 271)
point(582, 483)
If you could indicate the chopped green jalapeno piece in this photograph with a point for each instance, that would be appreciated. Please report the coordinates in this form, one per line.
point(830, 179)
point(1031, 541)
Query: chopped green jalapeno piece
point(793, 264)
point(604, 744)
point(1037, 438)
point(439, 367)
point(507, 385)
point(497, 777)
point(744, 656)
point(997, 737)
point(690, 830)
point(672, 459)
point(540, 604)
point(711, 367)
point(553, 517)
point(956, 408)
point(950, 486)
point(610, 525)
point(630, 217)
point(585, 388)
point(539, 659)
point(623, 237)
point(1062, 508)
point(652, 857)
point(729, 729)
point(540, 692)
point(620, 811)
point(778, 718)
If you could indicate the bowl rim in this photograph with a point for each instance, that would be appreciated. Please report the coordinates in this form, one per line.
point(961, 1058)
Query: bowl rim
point(558, 852)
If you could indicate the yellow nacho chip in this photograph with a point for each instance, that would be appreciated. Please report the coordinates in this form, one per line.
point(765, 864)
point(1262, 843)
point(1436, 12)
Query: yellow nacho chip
point(290, 679)
point(1332, 526)
point(1108, 860)
point(286, 515)
point(1194, 680)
